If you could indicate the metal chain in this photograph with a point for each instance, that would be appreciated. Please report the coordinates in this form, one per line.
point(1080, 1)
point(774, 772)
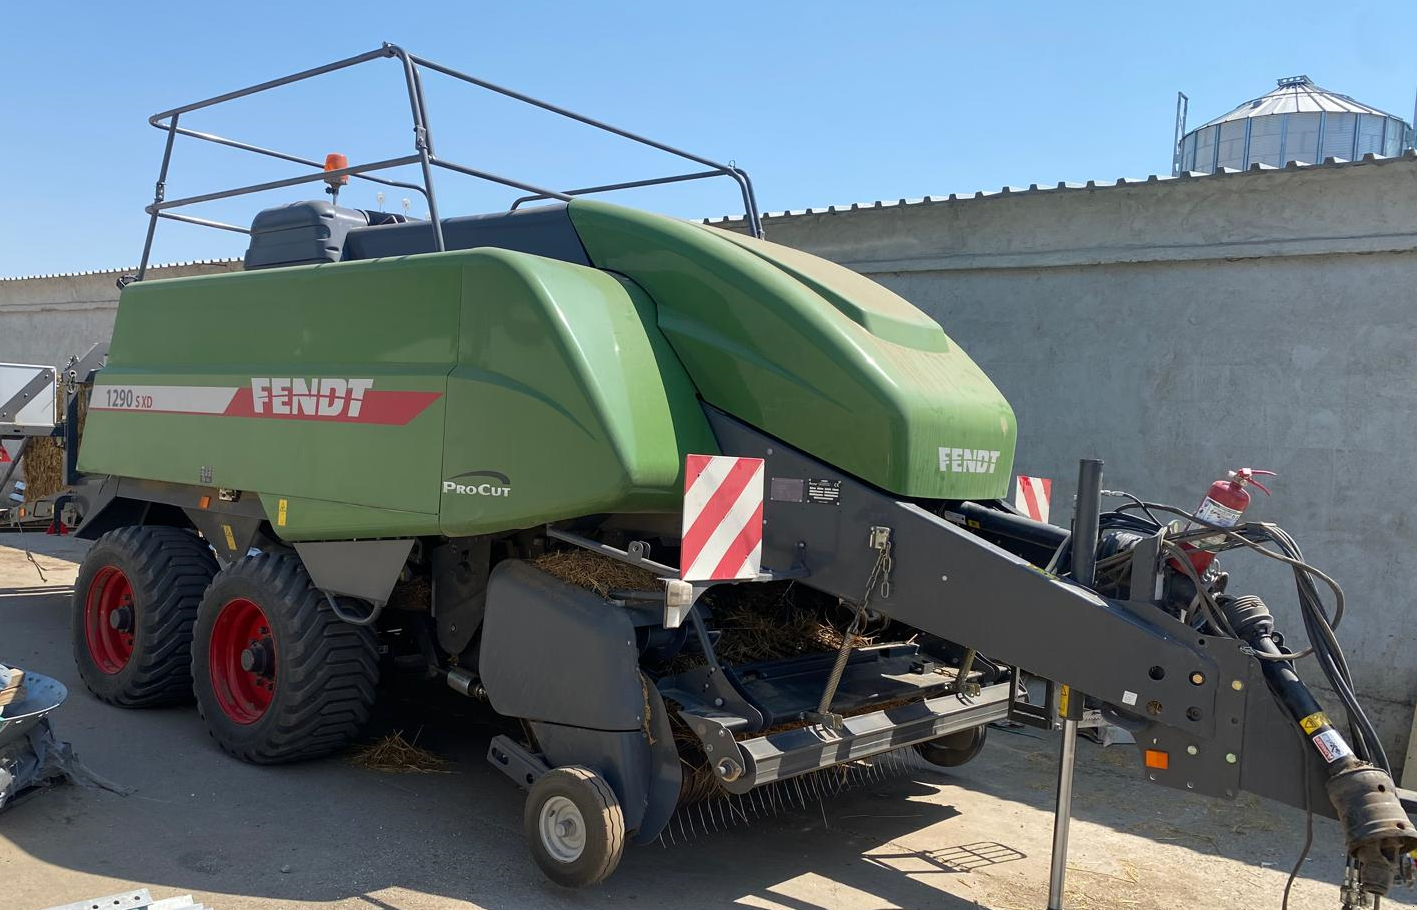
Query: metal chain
point(879, 580)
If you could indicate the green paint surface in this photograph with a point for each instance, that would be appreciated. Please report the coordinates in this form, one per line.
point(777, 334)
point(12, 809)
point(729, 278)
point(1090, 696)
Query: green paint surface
point(565, 385)
point(554, 375)
point(814, 354)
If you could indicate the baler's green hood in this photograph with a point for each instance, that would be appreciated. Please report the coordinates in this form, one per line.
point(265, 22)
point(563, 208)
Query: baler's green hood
point(814, 354)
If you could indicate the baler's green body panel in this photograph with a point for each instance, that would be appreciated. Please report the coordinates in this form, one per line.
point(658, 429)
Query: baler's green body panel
point(551, 374)
point(505, 390)
point(814, 354)
point(394, 321)
point(565, 385)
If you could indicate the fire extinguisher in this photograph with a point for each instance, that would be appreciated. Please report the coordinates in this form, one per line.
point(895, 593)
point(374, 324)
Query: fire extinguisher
point(1224, 505)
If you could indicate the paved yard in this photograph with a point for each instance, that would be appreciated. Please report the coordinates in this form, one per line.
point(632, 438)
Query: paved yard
point(331, 835)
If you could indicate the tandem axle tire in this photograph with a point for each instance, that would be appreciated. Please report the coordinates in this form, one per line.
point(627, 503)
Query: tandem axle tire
point(278, 677)
point(135, 601)
point(574, 826)
point(955, 749)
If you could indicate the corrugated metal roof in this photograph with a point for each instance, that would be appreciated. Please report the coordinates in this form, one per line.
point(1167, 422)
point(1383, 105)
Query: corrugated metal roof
point(1297, 95)
point(130, 269)
point(1034, 189)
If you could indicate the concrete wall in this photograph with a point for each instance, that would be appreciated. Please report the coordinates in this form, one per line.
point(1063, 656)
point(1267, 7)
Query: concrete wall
point(1178, 328)
point(48, 319)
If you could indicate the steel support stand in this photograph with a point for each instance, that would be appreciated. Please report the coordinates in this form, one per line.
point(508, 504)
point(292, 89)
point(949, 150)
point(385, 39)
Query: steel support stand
point(1067, 760)
point(1086, 517)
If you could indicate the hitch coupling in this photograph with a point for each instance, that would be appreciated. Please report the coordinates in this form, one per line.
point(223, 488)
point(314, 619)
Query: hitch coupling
point(1376, 829)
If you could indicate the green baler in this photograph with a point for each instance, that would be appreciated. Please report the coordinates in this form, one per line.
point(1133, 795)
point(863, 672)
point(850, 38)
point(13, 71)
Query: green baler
point(571, 381)
point(378, 447)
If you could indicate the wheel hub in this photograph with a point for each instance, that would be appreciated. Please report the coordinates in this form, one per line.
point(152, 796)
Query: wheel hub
point(257, 658)
point(109, 619)
point(562, 829)
point(242, 661)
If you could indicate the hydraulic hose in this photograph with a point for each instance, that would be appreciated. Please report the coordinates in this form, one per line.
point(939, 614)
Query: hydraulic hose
point(1375, 826)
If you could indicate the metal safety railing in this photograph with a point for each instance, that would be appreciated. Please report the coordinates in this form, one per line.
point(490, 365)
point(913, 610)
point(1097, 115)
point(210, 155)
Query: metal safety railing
point(423, 154)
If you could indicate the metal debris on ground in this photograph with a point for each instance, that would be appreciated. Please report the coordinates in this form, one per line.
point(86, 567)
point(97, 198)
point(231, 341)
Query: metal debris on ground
point(32, 758)
point(137, 899)
point(397, 755)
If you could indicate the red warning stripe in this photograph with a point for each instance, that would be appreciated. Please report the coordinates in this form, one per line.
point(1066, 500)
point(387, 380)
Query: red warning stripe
point(723, 518)
point(723, 498)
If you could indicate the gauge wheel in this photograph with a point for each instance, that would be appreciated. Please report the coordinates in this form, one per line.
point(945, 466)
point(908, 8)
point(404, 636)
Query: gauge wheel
point(135, 602)
point(574, 826)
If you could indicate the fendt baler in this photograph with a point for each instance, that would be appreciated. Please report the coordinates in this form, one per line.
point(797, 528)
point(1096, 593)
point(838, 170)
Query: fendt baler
point(381, 446)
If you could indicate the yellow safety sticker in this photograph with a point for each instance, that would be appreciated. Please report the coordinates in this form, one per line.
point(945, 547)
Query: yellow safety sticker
point(230, 538)
point(1063, 693)
point(1314, 721)
point(280, 514)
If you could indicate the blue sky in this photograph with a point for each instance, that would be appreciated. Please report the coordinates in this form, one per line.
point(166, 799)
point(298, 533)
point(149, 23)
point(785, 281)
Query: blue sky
point(822, 102)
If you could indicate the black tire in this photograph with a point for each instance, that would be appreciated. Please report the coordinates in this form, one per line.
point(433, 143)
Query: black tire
point(135, 601)
point(955, 749)
point(318, 672)
point(598, 810)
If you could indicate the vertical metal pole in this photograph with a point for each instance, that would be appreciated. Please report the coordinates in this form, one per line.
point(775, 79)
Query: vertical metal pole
point(423, 145)
point(1182, 104)
point(159, 192)
point(1086, 517)
point(1058, 871)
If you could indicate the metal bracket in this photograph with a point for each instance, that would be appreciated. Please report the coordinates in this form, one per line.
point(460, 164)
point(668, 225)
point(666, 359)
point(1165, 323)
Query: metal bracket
point(637, 555)
point(81, 369)
point(1021, 712)
point(513, 760)
point(1146, 559)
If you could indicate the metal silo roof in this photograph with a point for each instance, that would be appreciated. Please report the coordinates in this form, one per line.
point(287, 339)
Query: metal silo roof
point(1298, 95)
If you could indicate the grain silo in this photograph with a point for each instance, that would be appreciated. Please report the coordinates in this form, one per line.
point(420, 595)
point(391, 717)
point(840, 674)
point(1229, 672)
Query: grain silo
point(1298, 121)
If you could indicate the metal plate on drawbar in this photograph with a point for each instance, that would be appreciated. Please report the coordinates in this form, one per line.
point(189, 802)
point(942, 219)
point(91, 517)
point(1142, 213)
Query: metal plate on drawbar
point(1198, 760)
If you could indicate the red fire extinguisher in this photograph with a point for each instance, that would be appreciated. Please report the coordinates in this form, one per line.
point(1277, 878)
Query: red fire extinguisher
point(1224, 505)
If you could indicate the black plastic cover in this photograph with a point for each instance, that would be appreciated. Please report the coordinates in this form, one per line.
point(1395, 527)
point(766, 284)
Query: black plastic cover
point(305, 233)
point(542, 231)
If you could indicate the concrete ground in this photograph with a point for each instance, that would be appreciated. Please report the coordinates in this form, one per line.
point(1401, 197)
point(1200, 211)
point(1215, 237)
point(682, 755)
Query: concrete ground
point(331, 835)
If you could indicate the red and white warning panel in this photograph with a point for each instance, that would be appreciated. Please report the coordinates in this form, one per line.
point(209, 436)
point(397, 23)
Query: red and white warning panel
point(1033, 496)
point(723, 518)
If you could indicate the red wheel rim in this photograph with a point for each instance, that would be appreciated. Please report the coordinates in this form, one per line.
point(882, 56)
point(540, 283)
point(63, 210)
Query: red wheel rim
point(242, 661)
point(110, 619)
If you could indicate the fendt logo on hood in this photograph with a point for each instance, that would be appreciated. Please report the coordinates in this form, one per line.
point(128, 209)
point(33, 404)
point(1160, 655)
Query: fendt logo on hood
point(968, 461)
point(495, 484)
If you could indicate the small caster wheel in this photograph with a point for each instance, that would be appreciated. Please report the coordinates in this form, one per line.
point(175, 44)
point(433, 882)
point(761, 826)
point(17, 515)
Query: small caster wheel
point(953, 750)
point(574, 826)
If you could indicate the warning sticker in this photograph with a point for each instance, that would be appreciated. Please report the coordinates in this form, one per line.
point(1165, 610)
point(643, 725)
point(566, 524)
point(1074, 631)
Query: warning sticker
point(1214, 513)
point(1314, 721)
point(827, 491)
point(1331, 746)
